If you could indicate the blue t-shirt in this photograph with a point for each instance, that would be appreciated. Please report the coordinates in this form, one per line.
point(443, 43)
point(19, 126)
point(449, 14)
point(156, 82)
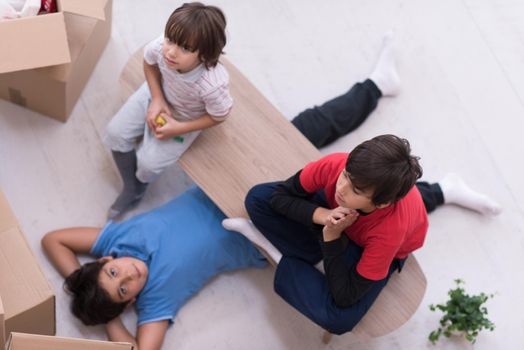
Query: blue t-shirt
point(183, 244)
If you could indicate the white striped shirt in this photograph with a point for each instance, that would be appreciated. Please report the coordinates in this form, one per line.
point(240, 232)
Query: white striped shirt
point(194, 93)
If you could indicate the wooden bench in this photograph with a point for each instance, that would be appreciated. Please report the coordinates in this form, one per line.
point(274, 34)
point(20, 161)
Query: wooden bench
point(258, 144)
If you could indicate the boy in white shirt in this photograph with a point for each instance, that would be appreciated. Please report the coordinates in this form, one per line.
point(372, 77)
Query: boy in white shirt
point(187, 91)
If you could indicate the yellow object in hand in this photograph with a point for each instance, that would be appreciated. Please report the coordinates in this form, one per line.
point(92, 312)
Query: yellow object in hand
point(160, 121)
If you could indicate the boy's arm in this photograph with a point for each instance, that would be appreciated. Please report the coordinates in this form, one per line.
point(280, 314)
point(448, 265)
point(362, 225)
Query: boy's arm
point(61, 247)
point(292, 200)
point(346, 285)
point(150, 336)
point(158, 103)
point(174, 128)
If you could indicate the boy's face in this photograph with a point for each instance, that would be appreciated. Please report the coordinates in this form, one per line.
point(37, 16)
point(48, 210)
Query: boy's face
point(348, 196)
point(123, 278)
point(179, 58)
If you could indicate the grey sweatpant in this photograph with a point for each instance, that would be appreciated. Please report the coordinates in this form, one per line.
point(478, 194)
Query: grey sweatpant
point(153, 155)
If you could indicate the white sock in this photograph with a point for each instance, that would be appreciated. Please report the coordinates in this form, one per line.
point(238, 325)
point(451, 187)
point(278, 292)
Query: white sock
point(456, 191)
point(385, 74)
point(247, 229)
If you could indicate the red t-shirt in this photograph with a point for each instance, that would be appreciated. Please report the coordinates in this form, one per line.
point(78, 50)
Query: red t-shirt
point(384, 234)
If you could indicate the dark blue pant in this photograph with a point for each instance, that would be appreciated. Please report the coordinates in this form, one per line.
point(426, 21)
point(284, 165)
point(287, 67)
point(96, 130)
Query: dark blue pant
point(296, 279)
point(323, 124)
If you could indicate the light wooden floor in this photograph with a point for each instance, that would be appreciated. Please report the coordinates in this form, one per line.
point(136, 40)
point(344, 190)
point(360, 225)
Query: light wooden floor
point(462, 108)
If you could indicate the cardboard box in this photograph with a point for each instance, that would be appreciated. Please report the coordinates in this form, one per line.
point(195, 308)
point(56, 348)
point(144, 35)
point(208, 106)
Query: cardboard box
point(20, 341)
point(67, 44)
point(27, 301)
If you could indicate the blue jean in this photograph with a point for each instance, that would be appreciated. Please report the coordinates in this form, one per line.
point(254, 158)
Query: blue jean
point(296, 279)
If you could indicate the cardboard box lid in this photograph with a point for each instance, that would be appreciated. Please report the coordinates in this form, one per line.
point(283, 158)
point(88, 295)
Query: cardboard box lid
point(21, 341)
point(33, 42)
point(41, 41)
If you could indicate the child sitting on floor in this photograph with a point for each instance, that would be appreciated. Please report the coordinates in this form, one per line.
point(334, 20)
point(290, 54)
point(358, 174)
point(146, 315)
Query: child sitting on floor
point(187, 91)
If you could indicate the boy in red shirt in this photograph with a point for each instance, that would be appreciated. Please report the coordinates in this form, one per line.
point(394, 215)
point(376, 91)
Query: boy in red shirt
point(362, 213)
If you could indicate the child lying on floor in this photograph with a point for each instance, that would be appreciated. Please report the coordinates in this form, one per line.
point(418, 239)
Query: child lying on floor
point(156, 261)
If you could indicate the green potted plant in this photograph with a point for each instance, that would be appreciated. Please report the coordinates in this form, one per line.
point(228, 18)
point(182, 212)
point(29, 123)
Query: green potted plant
point(463, 314)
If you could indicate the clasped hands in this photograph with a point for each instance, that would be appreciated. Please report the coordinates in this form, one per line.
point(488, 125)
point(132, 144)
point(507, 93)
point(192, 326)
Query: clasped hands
point(337, 221)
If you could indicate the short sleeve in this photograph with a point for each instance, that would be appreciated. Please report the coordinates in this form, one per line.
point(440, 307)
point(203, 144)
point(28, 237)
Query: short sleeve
point(153, 51)
point(215, 92)
point(218, 102)
point(154, 310)
point(375, 261)
point(103, 241)
point(316, 175)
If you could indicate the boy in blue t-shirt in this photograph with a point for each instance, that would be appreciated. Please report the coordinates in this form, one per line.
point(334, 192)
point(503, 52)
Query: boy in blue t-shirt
point(156, 260)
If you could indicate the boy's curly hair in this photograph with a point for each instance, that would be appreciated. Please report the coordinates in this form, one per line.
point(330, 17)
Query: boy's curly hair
point(195, 26)
point(91, 304)
point(384, 165)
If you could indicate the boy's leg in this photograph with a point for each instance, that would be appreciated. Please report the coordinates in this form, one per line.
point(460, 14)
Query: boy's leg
point(324, 124)
point(127, 125)
point(154, 155)
point(246, 228)
point(133, 189)
point(121, 137)
point(453, 190)
point(290, 238)
point(431, 195)
point(307, 290)
point(384, 73)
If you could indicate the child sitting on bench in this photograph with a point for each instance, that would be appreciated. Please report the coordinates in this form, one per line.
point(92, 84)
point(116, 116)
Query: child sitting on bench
point(362, 213)
point(186, 86)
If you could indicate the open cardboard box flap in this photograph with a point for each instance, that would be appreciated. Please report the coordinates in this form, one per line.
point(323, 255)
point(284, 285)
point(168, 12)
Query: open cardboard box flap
point(21, 341)
point(28, 301)
point(33, 42)
point(41, 41)
point(91, 8)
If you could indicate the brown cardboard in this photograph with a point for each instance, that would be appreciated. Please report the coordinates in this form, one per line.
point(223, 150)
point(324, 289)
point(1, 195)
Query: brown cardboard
point(54, 90)
point(47, 46)
point(91, 8)
point(41, 41)
point(2, 331)
point(28, 301)
point(20, 341)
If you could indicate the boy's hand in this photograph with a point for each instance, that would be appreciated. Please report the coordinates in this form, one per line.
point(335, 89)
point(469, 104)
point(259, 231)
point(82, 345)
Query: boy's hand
point(337, 212)
point(337, 221)
point(170, 129)
point(157, 107)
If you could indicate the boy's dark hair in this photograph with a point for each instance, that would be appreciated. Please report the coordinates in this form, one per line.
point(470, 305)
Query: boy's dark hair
point(91, 304)
point(384, 165)
point(196, 26)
